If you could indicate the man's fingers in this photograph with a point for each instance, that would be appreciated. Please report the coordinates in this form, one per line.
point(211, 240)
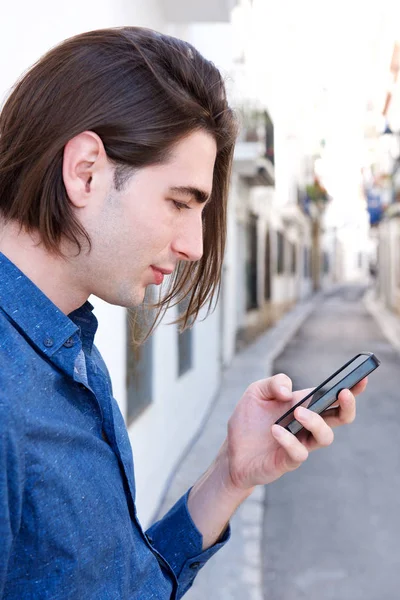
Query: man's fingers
point(321, 432)
point(278, 387)
point(295, 453)
point(344, 413)
point(359, 387)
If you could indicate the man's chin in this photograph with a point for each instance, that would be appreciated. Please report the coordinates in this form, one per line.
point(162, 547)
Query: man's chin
point(127, 298)
point(136, 300)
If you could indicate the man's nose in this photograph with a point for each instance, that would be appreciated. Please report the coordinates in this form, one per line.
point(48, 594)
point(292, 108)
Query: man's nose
point(188, 242)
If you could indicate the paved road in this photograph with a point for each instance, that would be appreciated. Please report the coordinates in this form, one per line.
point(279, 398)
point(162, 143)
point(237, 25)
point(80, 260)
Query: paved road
point(331, 529)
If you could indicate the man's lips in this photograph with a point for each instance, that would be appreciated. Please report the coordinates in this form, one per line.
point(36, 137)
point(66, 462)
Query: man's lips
point(159, 274)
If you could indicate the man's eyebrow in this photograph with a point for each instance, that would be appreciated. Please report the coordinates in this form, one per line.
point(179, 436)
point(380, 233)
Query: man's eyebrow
point(199, 195)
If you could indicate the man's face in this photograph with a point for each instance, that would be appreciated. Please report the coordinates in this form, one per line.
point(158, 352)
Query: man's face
point(151, 224)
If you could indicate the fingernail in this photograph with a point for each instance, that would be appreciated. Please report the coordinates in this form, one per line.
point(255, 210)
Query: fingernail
point(278, 431)
point(285, 392)
point(302, 412)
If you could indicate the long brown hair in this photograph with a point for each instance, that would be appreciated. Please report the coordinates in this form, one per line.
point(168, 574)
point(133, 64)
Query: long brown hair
point(141, 92)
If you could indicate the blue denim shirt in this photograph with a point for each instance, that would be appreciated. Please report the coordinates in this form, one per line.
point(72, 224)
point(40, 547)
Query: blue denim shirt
point(68, 523)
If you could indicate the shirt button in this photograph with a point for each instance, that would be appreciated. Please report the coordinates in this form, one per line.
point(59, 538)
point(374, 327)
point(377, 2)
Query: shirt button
point(195, 565)
point(48, 342)
point(69, 343)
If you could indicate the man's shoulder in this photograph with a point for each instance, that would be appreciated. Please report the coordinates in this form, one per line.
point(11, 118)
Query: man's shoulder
point(11, 339)
point(16, 357)
point(10, 350)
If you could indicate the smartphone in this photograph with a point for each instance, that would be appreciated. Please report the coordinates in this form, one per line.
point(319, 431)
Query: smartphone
point(328, 391)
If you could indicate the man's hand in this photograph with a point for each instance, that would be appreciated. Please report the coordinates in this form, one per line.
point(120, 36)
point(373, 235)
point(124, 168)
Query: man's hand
point(258, 452)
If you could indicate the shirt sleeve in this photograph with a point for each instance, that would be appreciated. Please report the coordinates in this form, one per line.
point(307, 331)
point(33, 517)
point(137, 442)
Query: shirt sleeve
point(179, 542)
point(11, 476)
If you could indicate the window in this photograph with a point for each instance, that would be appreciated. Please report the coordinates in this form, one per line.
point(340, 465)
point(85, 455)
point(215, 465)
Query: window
point(251, 264)
point(267, 267)
point(139, 371)
point(293, 261)
point(280, 267)
point(374, 265)
point(326, 262)
point(306, 258)
point(269, 141)
point(185, 343)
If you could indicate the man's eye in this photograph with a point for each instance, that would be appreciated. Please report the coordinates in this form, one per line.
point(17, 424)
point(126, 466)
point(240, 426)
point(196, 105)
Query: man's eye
point(180, 205)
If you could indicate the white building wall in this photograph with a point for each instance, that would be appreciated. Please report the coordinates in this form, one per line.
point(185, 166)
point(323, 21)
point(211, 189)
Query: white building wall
point(280, 289)
point(160, 435)
point(352, 255)
point(389, 263)
point(231, 281)
point(240, 250)
point(27, 31)
point(385, 262)
point(142, 13)
point(305, 283)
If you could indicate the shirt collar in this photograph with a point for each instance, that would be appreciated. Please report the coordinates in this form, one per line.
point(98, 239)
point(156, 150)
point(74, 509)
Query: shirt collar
point(36, 315)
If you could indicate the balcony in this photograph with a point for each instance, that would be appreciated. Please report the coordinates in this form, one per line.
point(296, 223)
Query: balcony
point(254, 151)
point(193, 11)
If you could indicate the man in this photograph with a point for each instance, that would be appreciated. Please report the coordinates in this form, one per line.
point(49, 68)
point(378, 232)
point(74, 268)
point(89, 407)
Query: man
point(115, 154)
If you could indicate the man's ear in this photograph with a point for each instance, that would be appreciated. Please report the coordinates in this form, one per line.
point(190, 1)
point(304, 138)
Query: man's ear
point(84, 161)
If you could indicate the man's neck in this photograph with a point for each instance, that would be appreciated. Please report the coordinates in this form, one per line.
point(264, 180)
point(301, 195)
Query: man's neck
point(55, 276)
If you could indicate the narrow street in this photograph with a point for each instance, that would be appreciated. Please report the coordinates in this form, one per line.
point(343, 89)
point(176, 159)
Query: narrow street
point(331, 529)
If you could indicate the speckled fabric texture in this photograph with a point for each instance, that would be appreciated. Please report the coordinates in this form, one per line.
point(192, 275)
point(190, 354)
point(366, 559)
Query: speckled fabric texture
point(68, 524)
